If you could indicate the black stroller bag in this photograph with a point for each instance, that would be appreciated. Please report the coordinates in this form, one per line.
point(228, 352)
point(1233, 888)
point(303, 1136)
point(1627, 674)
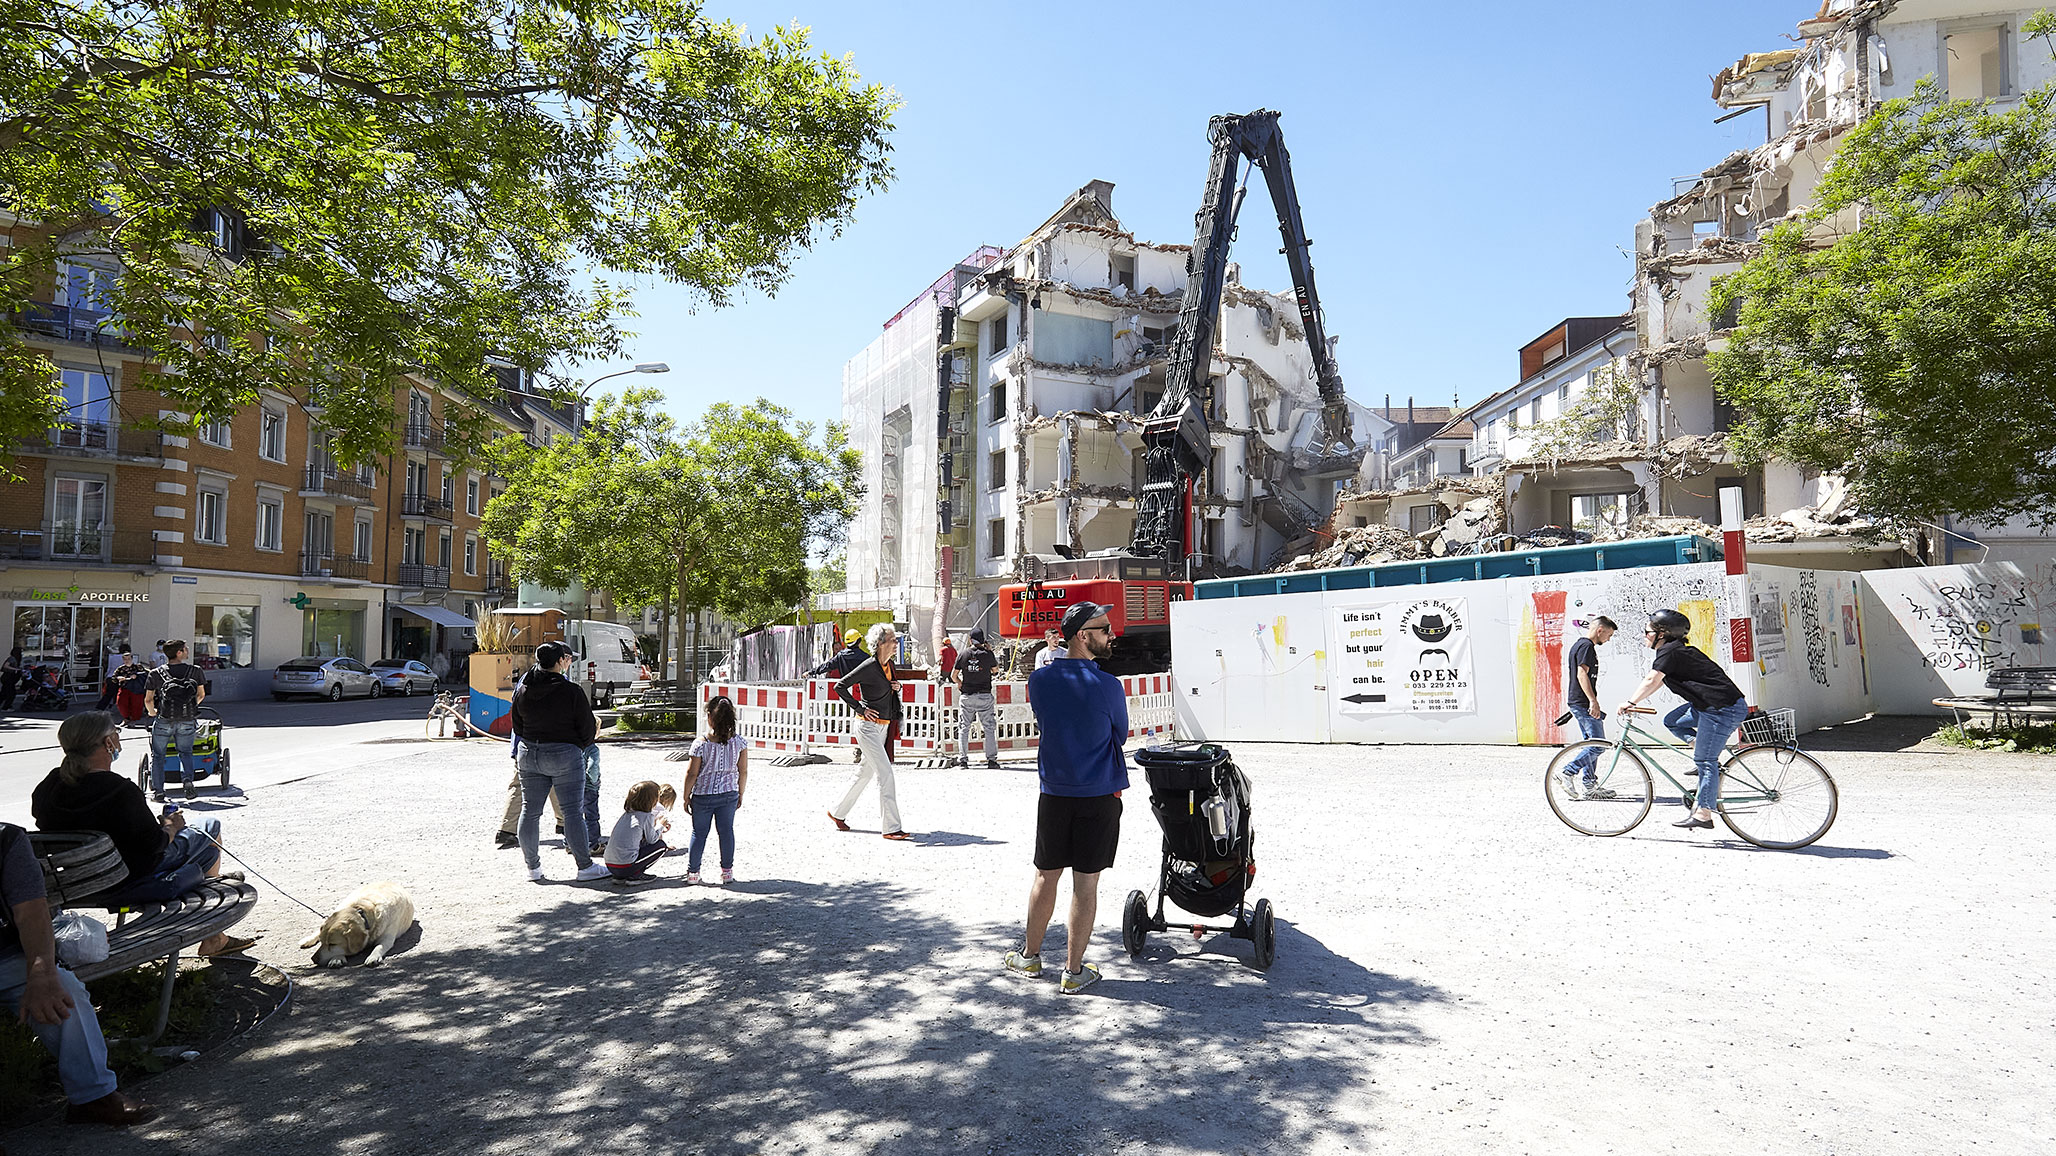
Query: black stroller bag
point(1201, 801)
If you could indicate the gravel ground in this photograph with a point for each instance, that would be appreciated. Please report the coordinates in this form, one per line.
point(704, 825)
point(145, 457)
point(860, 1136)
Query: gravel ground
point(1456, 972)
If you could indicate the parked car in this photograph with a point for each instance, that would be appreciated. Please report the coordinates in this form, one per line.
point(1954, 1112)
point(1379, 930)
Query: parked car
point(329, 678)
point(404, 676)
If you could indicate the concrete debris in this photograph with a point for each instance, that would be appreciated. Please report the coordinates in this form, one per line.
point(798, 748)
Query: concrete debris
point(1685, 456)
point(1361, 546)
point(1710, 251)
point(1669, 526)
point(1148, 300)
point(1794, 525)
point(1284, 315)
point(1124, 235)
point(1479, 518)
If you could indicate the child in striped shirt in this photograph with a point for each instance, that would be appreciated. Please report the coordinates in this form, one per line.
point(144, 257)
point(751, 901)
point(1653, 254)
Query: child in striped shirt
point(715, 780)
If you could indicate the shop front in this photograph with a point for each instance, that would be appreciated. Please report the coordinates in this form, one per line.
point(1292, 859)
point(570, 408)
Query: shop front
point(332, 628)
point(77, 622)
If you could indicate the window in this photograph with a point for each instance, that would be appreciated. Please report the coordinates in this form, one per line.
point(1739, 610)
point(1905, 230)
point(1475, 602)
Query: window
point(271, 517)
point(449, 488)
point(210, 524)
point(214, 433)
point(999, 401)
point(87, 290)
point(471, 496)
point(1513, 419)
point(1563, 397)
point(1601, 512)
point(271, 435)
point(318, 539)
point(417, 410)
point(442, 550)
point(363, 541)
point(998, 472)
point(1122, 267)
point(470, 554)
point(1420, 519)
point(417, 478)
point(1974, 62)
point(996, 537)
point(224, 636)
point(413, 546)
point(78, 517)
point(999, 336)
point(1554, 352)
point(1535, 412)
point(85, 395)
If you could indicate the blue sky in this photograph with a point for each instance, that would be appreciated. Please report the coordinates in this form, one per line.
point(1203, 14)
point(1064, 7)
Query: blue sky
point(1469, 173)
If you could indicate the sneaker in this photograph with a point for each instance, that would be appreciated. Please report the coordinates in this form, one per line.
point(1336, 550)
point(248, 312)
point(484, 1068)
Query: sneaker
point(630, 880)
point(1595, 791)
point(1567, 782)
point(600, 848)
point(960, 762)
point(692, 877)
point(535, 875)
point(1028, 965)
point(190, 792)
point(1077, 981)
point(157, 796)
point(506, 839)
point(992, 763)
point(727, 876)
point(592, 871)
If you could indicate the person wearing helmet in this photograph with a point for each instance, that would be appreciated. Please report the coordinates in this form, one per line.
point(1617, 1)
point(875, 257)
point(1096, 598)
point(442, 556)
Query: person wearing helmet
point(851, 656)
point(1714, 707)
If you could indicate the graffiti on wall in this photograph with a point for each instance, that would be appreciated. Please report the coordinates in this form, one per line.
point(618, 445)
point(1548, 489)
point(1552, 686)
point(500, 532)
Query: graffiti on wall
point(1811, 629)
point(1965, 625)
point(1557, 609)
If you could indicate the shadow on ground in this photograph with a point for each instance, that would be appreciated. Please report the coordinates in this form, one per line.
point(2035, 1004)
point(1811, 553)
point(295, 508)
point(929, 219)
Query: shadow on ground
point(797, 1017)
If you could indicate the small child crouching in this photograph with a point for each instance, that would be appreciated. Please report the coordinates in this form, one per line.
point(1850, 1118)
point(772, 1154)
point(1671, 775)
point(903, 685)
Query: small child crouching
point(636, 842)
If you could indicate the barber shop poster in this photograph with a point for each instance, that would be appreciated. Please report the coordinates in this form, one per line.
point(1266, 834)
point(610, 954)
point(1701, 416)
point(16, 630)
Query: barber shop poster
point(1410, 657)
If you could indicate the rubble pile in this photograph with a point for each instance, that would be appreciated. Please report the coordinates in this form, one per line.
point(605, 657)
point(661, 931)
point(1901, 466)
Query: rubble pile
point(1479, 518)
point(1669, 526)
point(1361, 546)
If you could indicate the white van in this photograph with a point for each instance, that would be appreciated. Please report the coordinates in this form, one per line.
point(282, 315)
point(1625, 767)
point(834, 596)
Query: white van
point(607, 659)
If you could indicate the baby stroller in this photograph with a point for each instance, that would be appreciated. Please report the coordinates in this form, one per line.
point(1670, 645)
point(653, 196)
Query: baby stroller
point(210, 753)
point(42, 688)
point(1201, 800)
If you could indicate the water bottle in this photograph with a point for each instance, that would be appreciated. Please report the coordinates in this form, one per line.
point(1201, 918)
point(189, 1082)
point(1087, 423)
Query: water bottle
point(1216, 811)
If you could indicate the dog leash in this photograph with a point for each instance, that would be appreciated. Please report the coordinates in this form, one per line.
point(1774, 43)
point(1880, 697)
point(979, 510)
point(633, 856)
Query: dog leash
point(259, 874)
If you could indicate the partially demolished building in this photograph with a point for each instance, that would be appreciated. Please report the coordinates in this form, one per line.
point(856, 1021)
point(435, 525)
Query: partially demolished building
point(1004, 400)
point(1645, 454)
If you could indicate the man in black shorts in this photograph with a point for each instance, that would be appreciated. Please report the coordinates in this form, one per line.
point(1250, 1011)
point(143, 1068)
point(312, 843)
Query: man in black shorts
point(1083, 718)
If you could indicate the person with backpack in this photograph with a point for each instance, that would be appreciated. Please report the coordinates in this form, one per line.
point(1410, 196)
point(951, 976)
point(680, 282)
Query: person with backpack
point(172, 698)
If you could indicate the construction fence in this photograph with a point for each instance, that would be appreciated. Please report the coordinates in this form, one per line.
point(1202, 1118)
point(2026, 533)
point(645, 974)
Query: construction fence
point(806, 718)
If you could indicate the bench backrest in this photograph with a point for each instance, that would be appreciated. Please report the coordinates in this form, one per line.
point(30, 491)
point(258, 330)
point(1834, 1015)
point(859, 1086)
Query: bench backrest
point(77, 864)
point(2027, 681)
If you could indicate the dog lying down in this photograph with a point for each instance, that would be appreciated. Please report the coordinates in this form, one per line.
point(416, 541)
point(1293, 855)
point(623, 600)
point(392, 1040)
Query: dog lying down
point(377, 915)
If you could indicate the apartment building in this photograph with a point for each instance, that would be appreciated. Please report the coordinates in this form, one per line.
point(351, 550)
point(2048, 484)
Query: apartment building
point(246, 538)
point(1005, 400)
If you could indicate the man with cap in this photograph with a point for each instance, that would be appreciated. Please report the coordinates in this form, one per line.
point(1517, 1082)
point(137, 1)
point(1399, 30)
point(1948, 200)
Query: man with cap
point(973, 676)
point(1084, 722)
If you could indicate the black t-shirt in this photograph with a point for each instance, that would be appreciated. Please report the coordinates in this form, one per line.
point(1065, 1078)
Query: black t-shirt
point(1584, 654)
point(977, 665)
point(1692, 676)
point(178, 691)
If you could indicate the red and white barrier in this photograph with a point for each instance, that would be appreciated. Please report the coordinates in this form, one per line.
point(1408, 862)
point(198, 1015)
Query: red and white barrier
point(808, 718)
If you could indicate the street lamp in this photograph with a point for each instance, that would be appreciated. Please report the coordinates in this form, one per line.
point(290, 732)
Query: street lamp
point(579, 413)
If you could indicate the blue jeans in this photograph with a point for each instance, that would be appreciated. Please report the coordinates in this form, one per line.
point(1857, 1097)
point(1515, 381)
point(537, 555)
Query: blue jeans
point(547, 768)
point(718, 810)
point(1592, 728)
point(592, 795)
point(189, 858)
point(1708, 732)
point(76, 1041)
point(162, 732)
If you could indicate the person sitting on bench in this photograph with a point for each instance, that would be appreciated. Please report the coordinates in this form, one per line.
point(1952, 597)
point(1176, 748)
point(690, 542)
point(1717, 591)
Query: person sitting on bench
point(166, 858)
point(50, 999)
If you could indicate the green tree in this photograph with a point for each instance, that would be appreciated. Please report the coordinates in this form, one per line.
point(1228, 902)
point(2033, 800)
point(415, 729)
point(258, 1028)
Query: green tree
point(1916, 355)
point(718, 515)
point(402, 187)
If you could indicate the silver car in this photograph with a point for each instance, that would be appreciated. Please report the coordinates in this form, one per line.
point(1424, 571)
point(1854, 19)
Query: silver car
point(329, 678)
point(404, 676)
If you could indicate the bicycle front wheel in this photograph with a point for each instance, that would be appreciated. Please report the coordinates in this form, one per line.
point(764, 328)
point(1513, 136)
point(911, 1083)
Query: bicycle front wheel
point(1606, 798)
point(1777, 797)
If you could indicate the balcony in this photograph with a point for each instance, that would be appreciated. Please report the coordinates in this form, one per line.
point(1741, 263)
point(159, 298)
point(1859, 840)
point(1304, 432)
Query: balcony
point(327, 482)
point(424, 577)
point(65, 323)
point(499, 583)
point(426, 435)
point(79, 545)
point(314, 564)
point(413, 505)
point(97, 439)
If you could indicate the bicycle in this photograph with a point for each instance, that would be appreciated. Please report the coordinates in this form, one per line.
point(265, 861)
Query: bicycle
point(1773, 794)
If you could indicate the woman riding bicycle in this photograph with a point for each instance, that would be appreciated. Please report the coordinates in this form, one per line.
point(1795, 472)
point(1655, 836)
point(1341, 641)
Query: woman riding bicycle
point(1714, 707)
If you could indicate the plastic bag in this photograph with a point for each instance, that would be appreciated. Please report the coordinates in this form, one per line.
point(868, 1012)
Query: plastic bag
point(81, 939)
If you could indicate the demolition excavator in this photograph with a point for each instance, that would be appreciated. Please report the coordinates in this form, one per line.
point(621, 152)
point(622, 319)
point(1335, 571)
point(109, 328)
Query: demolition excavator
point(1163, 559)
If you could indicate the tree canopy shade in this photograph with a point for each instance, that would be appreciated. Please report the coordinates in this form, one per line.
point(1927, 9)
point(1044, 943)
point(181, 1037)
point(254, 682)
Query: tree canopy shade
point(721, 515)
point(318, 197)
point(1917, 354)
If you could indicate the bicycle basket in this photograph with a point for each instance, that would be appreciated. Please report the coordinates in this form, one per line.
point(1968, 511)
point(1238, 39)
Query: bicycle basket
point(1771, 727)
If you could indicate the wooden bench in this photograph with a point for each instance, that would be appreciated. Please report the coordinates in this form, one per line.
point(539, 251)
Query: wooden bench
point(79, 867)
point(2014, 694)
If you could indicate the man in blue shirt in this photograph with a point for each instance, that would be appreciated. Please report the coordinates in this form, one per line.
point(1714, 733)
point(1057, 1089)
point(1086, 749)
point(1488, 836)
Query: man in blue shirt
point(1083, 717)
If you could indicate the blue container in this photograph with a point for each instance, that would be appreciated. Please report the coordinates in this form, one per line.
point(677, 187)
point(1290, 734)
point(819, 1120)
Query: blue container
point(1623, 555)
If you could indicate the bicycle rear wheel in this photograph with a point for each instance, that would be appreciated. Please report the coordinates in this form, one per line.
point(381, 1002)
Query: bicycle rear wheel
point(1777, 797)
point(1618, 798)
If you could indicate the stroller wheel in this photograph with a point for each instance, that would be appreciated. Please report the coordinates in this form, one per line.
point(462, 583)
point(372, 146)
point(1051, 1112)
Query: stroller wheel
point(1135, 922)
point(221, 769)
point(1263, 926)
